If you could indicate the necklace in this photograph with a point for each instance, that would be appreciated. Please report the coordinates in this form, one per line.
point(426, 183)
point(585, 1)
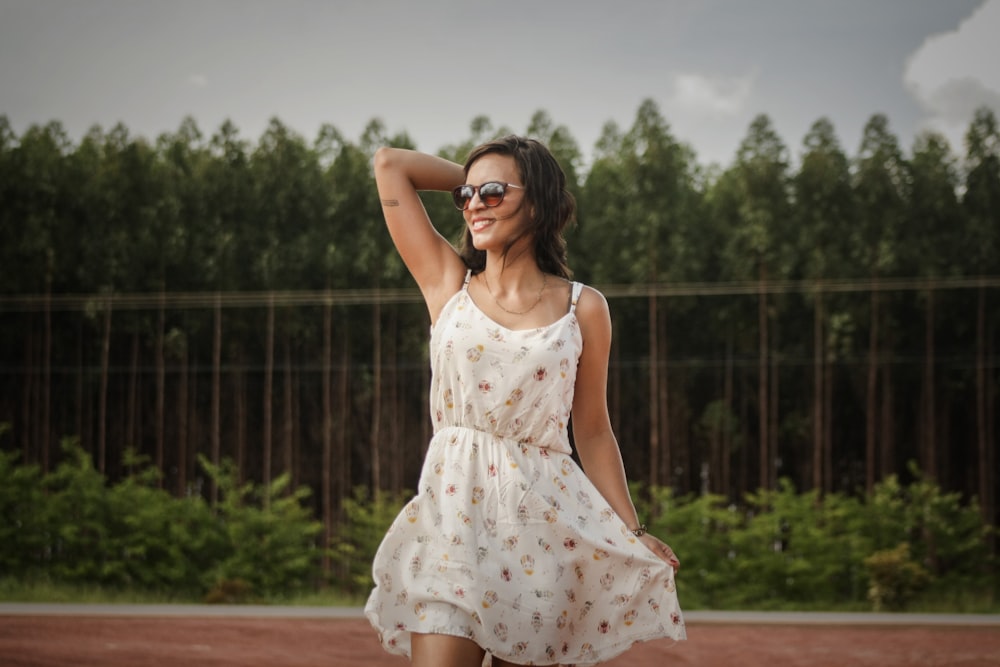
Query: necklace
point(545, 279)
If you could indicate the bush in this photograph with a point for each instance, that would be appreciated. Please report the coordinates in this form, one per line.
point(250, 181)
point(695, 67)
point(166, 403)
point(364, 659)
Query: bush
point(903, 546)
point(360, 535)
point(131, 535)
point(23, 532)
point(894, 578)
point(783, 549)
point(946, 537)
point(270, 536)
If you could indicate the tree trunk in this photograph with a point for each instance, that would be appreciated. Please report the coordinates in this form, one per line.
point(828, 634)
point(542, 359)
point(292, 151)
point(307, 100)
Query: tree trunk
point(375, 432)
point(763, 413)
point(728, 425)
point(929, 438)
point(28, 424)
point(745, 430)
point(774, 401)
point(983, 400)
point(663, 384)
point(343, 449)
point(887, 424)
point(871, 415)
point(161, 383)
point(288, 431)
point(102, 410)
point(78, 420)
point(266, 434)
point(182, 418)
point(991, 434)
point(131, 401)
point(216, 425)
point(240, 414)
point(327, 436)
point(45, 436)
point(828, 422)
point(655, 454)
point(398, 456)
point(817, 402)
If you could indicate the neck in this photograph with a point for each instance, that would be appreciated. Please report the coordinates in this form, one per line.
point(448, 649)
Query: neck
point(513, 274)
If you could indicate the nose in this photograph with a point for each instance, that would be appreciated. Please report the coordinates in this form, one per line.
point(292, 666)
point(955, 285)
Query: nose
point(475, 202)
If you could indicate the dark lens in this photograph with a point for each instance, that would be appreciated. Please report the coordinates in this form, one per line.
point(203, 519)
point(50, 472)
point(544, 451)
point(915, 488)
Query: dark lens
point(462, 195)
point(491, 193)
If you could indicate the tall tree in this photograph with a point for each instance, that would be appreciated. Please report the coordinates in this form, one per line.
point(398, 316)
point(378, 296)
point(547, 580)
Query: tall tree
point(757, 249)
point(881, 189)
point(823, 208)
point(930, 252)
point(634, 220)
point(229, 189)
point(35, 204)
point(981, 203)
point(289, 202)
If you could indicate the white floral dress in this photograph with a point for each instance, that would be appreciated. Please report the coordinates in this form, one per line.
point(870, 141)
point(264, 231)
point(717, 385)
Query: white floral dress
point(507, 542)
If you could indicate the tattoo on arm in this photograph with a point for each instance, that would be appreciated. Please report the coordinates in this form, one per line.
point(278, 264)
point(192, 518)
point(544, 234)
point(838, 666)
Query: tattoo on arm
point(390, 202)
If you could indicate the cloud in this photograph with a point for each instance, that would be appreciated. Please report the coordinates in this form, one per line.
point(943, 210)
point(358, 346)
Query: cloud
point(716, 95)
point(198, 80)
point(954, 73)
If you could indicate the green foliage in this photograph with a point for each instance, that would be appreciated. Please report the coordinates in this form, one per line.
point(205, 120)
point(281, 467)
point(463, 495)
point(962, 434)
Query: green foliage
point(894, 578)
point(132, 534)
point(270, 537)
point(783, 549)
point(946, 537)
point(367, 520)
point(71, 527)
point(901, 547)
point(22, 522)
point(807, 548)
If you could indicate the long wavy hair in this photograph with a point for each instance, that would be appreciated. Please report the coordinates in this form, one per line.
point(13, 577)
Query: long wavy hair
point(552, 205)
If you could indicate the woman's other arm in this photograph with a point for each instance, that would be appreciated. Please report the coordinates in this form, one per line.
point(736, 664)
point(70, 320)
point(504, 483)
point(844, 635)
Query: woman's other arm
point(592, 433)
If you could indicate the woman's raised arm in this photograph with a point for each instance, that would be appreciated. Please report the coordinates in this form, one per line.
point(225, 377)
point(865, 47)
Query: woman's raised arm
point(430, 258)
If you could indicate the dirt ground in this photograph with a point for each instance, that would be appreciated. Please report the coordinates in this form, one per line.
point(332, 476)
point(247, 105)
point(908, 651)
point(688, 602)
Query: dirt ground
point(51, 641)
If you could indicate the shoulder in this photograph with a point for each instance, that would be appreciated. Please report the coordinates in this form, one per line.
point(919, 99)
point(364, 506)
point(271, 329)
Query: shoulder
point(591, 302)
point(593, 314)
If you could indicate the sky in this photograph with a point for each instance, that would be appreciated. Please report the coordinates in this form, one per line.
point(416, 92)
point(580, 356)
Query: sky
point(428, 68)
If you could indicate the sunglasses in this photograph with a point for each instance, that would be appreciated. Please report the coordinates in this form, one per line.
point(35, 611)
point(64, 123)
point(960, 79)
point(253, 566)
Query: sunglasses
point(491, 194)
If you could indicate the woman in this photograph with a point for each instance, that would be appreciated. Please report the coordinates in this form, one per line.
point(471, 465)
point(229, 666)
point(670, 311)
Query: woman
point(508, 548)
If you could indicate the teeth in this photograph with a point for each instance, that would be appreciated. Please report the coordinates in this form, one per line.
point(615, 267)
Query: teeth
point(480, 224)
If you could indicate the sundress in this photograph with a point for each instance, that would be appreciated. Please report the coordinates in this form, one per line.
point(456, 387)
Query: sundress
point(507, 541)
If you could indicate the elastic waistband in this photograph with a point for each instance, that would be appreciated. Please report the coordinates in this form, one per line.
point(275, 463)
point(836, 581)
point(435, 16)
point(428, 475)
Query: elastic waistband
point(482, 435)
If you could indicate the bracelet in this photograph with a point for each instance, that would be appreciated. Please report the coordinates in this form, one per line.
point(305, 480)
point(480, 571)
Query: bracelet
point(640, 531)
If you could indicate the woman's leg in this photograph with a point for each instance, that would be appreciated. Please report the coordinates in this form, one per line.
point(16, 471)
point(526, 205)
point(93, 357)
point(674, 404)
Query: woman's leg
point(444, 651)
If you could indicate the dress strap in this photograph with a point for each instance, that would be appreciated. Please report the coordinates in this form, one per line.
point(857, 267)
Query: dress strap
point(575, 296)
point(468, 277)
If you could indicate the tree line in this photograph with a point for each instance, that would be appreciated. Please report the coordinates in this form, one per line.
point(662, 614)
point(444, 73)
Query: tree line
point(825, 318)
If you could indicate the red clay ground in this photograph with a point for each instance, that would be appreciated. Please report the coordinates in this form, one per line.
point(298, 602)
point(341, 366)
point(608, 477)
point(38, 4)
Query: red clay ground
point(57, 641)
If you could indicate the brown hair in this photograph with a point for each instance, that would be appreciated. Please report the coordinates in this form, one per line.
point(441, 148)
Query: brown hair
point(551, 204)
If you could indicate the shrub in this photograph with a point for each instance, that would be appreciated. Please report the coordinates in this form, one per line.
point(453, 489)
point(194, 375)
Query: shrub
point(894, 578)
point(270, 536)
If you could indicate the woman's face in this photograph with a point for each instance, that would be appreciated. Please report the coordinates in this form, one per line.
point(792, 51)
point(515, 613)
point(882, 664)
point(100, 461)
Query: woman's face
point(492, 228)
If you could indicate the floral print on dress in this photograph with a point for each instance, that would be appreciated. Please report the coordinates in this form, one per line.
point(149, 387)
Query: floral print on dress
point(508, 542)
